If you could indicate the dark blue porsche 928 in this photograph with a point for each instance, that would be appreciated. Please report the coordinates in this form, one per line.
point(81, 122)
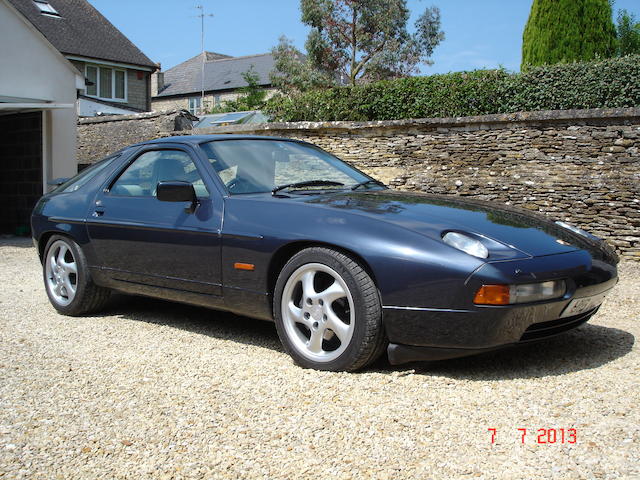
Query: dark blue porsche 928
point(281, 230)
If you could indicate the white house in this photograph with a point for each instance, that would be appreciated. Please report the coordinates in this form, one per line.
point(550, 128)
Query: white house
point(38, 114)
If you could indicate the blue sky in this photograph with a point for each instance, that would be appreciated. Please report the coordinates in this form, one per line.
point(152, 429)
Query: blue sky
point(480, 33)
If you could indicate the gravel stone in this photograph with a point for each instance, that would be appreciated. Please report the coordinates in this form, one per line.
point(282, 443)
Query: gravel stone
point(151, 389)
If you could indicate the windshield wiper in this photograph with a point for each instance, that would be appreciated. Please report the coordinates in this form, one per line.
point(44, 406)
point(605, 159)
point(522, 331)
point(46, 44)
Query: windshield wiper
point(367, 182)
point(310, 183)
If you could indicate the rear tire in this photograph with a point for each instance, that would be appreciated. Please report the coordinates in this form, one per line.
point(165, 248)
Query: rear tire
point(67, 280)
point(328, 312)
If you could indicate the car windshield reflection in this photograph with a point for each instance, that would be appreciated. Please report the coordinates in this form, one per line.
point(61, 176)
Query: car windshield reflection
point(261, 166)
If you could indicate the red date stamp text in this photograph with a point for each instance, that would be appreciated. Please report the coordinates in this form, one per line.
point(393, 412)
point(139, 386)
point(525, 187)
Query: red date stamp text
point(539, 436)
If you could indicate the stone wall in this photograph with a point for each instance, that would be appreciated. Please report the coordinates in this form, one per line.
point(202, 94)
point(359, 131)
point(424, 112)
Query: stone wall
point(162, 103)
point(582, 166)
point(138, 87)
point(101, 136)
point(210, 100)
point(172, 103)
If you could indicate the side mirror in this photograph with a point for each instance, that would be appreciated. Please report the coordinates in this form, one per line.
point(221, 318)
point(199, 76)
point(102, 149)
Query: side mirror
point(176, 191)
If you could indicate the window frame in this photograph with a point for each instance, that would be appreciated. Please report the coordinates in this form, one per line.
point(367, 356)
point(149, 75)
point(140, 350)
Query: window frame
point(198, 108)
point(113, 97)
point(46, 8)
point(107, 190)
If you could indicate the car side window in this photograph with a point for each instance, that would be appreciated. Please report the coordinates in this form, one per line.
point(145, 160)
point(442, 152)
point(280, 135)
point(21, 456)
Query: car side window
point(83, 177)
point(141, 178)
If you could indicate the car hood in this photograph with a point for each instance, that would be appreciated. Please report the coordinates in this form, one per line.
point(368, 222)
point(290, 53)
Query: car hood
point(529, 233)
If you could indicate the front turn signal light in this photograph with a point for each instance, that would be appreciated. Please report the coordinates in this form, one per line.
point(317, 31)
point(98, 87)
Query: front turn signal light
point(492, 295)
point(521, 293)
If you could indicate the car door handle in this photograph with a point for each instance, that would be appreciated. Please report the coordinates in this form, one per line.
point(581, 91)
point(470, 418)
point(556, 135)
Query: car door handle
point(98, 212)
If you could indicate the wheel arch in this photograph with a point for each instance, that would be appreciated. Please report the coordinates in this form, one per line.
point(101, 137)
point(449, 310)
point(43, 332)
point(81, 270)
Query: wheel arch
point(75, 231)
point(285, 252)
point(72, 234)
point(44, 239)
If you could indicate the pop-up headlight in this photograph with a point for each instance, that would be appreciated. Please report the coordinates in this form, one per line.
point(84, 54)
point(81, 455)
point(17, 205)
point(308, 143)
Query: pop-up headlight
point(466, 243)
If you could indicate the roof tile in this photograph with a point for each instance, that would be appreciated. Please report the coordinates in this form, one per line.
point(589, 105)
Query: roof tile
point(219, 74)
point(82, 30)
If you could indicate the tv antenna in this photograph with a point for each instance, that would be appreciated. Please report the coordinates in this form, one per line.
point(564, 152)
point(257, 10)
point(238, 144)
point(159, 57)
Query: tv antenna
point(202, 15)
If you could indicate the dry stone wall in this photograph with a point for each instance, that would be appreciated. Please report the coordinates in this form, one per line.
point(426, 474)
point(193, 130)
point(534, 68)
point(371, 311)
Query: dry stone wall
point(579, 166)
point(101, 136)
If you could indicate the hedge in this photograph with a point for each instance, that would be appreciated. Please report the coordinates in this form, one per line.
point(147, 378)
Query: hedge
point(599, 84)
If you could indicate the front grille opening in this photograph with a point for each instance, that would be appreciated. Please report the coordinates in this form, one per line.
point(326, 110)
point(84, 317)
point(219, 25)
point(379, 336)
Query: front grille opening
point(555, 327)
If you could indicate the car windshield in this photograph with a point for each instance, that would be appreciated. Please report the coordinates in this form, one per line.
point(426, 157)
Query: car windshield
point(259, 166)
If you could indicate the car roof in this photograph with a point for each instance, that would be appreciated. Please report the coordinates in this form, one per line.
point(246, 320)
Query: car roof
point(197, 139)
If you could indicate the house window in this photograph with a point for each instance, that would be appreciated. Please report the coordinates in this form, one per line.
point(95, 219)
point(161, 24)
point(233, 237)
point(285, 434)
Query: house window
point(92, 78)
point(216, 100)
point(106, 83)
point(194, 105)
point(45, 8)
point(119, 84)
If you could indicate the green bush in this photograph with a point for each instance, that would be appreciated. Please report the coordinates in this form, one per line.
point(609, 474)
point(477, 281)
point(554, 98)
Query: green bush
point(607, 83)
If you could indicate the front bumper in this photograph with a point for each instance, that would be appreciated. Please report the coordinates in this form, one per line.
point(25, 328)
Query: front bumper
point(399, 354)
point(437, 333)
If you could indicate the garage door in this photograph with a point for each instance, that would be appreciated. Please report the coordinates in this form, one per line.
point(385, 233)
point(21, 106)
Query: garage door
point(20, 169)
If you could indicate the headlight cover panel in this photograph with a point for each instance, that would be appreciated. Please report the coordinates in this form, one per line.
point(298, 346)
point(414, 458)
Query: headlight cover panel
point(495, 250)
point(466, 243)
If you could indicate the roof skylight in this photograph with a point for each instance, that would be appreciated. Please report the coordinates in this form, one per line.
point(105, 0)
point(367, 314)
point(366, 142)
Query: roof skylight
point(45, 8)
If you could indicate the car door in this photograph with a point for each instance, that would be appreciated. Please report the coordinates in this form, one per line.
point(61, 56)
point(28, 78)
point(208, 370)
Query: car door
point(140, 239)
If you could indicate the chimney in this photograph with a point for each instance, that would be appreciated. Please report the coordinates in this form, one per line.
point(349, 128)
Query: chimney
point(157, 81)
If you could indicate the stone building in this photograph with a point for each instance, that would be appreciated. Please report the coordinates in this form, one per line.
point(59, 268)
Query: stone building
point(117, 74)
point(181, 87)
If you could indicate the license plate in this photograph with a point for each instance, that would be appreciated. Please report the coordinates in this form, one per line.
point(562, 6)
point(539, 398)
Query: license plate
point(581, 305)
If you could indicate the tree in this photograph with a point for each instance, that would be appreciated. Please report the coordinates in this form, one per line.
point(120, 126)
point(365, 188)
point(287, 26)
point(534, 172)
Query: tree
point(561, 31)
point(358, 41)
point(294, 72)
point(628, 30)
point(251, 96)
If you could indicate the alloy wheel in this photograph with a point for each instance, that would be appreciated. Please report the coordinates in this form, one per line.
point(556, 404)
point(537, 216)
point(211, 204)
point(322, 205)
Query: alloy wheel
point(318, 312)
point(61, 273)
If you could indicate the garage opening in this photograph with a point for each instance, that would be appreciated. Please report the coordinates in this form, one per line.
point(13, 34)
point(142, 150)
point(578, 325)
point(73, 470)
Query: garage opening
point(20, 170)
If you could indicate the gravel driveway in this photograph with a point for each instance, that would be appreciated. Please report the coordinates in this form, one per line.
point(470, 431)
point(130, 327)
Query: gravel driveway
point(150, 389)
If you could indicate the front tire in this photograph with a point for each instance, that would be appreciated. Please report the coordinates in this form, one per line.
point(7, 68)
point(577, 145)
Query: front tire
point(69, 286)
point(327, 311)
